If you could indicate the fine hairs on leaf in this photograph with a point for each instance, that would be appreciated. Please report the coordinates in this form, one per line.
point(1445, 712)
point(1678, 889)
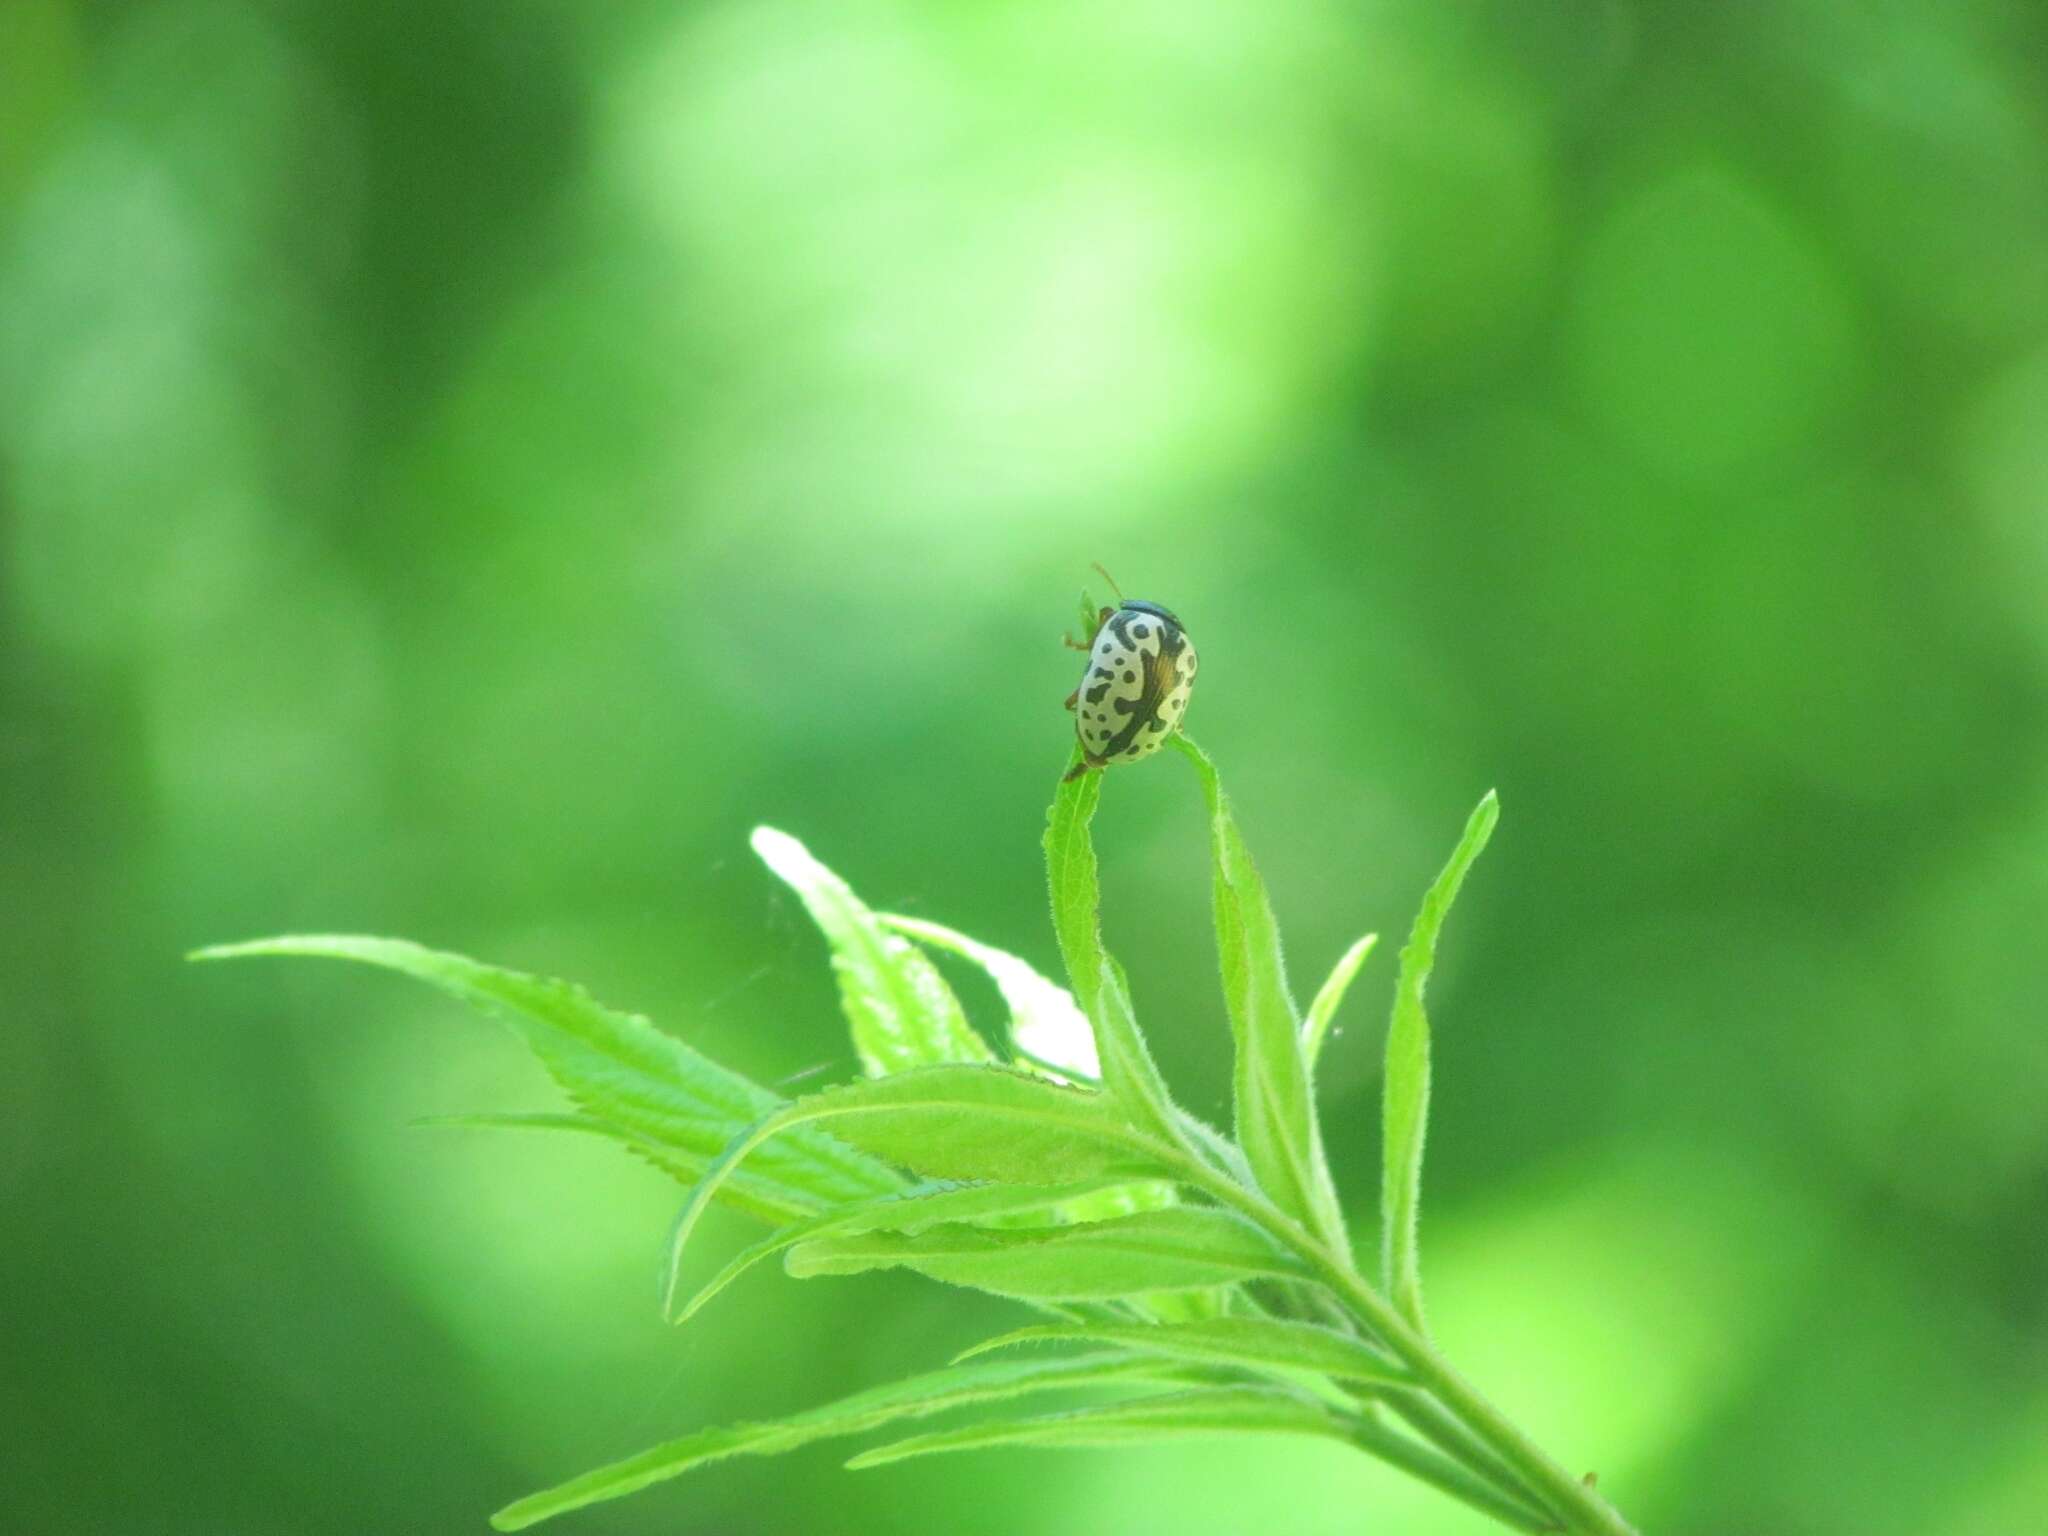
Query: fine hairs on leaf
point(1208, 1278)
point(1128, 1072)
point(1404, 1114)
point(1276, 1116)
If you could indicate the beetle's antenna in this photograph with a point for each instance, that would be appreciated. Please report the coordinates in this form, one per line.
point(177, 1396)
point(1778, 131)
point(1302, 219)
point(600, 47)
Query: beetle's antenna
point(1096, 566)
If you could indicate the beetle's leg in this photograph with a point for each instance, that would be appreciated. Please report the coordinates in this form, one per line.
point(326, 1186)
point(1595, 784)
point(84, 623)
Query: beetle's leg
point(1072, 644)
point(1089, 763)
point(1073, 698)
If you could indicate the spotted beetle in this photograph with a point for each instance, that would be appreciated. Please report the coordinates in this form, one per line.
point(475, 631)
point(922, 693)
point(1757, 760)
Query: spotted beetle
point(1141, 669)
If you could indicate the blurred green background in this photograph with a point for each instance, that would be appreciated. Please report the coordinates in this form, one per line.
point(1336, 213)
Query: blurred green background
point(463, 465)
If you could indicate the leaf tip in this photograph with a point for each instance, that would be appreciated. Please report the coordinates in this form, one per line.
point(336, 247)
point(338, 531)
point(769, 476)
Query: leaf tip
point(772, 842)
point(693, 1306)
point(981, 1348)
point(228, 951)
point(1484, 816)
point(672, 1267)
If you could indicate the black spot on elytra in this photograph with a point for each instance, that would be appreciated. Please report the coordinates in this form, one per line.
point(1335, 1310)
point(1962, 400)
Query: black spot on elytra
point(1130, 677)
point(1139, 631)
point(1094, 695)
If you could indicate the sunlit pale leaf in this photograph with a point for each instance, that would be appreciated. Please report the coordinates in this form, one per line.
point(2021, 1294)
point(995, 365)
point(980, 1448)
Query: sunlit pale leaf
point(1404, 1110)
point(936, 1392)
point(1205, 1411)
point(647, 1085)
point(1046, 1027)
point(898, 1006)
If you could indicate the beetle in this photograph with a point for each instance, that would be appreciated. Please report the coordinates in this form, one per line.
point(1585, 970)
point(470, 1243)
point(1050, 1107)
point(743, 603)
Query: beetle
point(1141, 669)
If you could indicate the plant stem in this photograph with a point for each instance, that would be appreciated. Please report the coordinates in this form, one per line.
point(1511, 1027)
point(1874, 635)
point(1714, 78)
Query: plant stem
point(1582, 1511)
point(1440, 1472)
point(1585, 1512)
point(1444, 1430)
point(1421, 1412)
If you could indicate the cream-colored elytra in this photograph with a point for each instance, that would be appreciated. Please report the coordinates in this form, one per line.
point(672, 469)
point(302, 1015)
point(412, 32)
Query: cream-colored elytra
point(1141, 669)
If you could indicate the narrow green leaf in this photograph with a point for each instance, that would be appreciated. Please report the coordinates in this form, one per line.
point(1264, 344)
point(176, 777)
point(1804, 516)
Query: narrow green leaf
point(1168, 1306)
point(1316, 1028)
point(1404, 1106)
point(648, 1085)
point(1428, 1417)
point(1049, 1033)
point(898, 1006)
point(953, 1123)
point(918, 1397)
point(1125, 1197)
point(1099, 986)
point(1258, 1343)
point(984, 1123)
point(1047, 1029)
point(910, 1211)
point(1276, 1114)
point(1215, 1148)
point(1383, 1442)
point(1173, 1250)
point(1173, 1416)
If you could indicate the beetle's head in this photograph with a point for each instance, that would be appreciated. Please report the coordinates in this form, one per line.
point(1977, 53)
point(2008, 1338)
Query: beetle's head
point(1132, 605)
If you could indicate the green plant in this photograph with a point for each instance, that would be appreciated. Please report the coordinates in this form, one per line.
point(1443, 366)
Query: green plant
point(1210, 1278)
